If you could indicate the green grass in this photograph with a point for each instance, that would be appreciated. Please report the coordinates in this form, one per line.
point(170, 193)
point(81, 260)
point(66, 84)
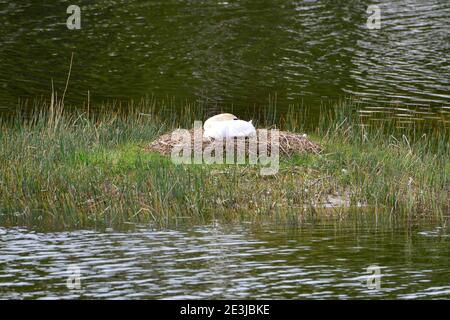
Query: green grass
point(76, 169)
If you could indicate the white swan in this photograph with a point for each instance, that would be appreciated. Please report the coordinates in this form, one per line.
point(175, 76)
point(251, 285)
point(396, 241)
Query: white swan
point(226, 125)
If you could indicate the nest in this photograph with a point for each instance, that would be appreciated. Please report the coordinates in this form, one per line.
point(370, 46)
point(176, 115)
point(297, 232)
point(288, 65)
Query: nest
point(289, 143)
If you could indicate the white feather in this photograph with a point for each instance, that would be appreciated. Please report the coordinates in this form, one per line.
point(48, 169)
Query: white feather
point(229, 129)
point(219, 117)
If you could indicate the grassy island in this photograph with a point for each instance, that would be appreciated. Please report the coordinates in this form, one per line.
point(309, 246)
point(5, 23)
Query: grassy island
point(73, 168)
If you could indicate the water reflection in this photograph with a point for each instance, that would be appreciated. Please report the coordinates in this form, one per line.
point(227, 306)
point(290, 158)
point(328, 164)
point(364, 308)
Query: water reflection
point(314, 261)
point(231, 53)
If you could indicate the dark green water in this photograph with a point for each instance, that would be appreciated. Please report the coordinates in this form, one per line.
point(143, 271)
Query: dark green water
point(324, 260)
point(232, 53)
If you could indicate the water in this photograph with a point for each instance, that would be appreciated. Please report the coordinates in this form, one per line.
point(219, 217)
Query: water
point(323, 260)
point(232, 53)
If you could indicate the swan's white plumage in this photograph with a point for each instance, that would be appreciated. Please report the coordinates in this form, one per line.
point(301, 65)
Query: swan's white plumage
point(209, 123)
point(220, 129)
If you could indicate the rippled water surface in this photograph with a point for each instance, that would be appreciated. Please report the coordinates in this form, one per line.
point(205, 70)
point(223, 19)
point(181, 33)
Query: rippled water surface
point(326, 260)
point(232, 52)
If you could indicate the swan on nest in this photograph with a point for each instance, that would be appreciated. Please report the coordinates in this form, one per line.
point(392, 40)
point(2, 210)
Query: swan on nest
point(226, 125)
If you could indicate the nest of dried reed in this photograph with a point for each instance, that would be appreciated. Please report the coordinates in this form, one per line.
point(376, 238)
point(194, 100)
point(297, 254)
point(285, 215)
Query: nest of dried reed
point(289, 143)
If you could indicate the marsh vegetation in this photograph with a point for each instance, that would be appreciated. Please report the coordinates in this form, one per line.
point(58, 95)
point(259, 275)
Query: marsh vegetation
point(71, 168)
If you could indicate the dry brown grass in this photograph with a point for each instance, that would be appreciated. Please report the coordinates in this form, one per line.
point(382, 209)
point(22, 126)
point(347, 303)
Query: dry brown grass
point(289, 143)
